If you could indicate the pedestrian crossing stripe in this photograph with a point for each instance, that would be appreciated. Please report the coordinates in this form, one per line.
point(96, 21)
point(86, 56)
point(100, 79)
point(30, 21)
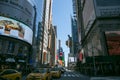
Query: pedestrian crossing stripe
point(71, 75)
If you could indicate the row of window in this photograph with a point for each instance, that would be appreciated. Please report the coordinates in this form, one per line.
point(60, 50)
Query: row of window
point(13, 48)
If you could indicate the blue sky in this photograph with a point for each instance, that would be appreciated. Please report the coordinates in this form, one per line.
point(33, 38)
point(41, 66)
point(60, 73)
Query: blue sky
point(62, 11)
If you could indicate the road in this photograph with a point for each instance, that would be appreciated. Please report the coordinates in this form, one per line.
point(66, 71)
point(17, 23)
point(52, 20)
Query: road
point(72, 75)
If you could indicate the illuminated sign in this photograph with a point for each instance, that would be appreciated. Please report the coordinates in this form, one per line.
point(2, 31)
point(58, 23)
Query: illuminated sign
point(61, 54)
point(113, 42)
point(13, 28)
point(10, 60)
point(21, 60)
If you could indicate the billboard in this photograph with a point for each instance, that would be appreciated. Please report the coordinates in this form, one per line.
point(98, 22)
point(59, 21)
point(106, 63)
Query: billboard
point(13, 28)
point(113, 42)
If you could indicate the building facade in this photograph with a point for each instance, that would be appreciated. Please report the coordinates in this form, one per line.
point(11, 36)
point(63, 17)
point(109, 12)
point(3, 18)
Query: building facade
point(100, 29)
point(16, 32)
point(75, 41)
point(52, 45)
point(43, 25)
point(47, 19)
point(38, 6)
point(60, 55)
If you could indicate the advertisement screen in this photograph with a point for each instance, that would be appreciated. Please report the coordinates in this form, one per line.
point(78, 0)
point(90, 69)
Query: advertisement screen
point(13, 28)
point(113, 42)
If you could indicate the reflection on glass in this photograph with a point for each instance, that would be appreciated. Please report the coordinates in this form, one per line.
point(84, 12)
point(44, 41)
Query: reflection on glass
point(11, 47)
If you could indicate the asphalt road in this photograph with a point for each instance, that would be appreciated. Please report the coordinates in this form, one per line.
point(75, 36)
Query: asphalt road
point(71, 75)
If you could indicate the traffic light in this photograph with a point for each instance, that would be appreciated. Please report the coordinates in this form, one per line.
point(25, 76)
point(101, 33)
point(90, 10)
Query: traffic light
point(61, 54)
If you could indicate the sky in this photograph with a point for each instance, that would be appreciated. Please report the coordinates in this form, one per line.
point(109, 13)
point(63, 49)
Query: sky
point(61, 13)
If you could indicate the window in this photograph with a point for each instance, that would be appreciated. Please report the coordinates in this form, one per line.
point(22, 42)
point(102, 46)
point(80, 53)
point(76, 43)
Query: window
point(11, 47)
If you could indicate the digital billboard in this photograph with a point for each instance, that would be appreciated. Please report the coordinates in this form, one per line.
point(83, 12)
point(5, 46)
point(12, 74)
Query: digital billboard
point(13, 28)
point(113, 42)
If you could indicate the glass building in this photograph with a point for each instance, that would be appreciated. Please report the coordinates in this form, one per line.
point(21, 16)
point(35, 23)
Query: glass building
point(36, 57)
point(16, 32)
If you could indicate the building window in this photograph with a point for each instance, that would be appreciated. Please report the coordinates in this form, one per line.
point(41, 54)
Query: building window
point(1, 43)
point(20, 50)
point(25, 50)
point(11, 47)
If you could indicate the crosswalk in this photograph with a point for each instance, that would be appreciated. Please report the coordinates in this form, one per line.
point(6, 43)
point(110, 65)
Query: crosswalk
point(70, 75)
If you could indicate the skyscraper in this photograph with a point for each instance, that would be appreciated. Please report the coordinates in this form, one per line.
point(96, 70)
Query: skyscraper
point(38, 6)
point(47, 21)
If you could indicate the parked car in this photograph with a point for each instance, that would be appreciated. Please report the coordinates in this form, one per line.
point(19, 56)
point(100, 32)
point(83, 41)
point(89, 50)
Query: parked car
point(56, 73)
point(39, 74)
point(11, 74)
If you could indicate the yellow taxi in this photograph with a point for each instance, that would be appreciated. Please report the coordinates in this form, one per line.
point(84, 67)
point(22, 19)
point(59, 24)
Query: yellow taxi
point(56, 73)
point(11, 74)
point(39, 74)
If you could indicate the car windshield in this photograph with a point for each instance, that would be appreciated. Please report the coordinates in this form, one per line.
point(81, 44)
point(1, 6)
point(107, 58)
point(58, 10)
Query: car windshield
point(39, 71)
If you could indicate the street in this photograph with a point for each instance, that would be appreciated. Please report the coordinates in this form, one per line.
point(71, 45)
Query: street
point(69, 75)
point(72, 75)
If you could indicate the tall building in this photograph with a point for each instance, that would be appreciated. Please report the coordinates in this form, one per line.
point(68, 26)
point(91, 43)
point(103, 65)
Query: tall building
point(61, 56)
point(16, 32)
point(38, 6)
point(74, 31)
point(52, 46)
point(47, 21)
point(43, 24)
point(75, 41)
point(99, 36)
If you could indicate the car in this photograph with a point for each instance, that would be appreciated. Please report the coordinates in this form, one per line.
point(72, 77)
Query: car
point(11, 74)
point(4, 78)
point(62, 70)
point(49, 73)
point(56, 73)
point(39, 74)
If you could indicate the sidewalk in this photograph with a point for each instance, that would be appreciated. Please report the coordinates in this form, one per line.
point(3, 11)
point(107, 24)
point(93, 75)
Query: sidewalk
point(106, 78)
